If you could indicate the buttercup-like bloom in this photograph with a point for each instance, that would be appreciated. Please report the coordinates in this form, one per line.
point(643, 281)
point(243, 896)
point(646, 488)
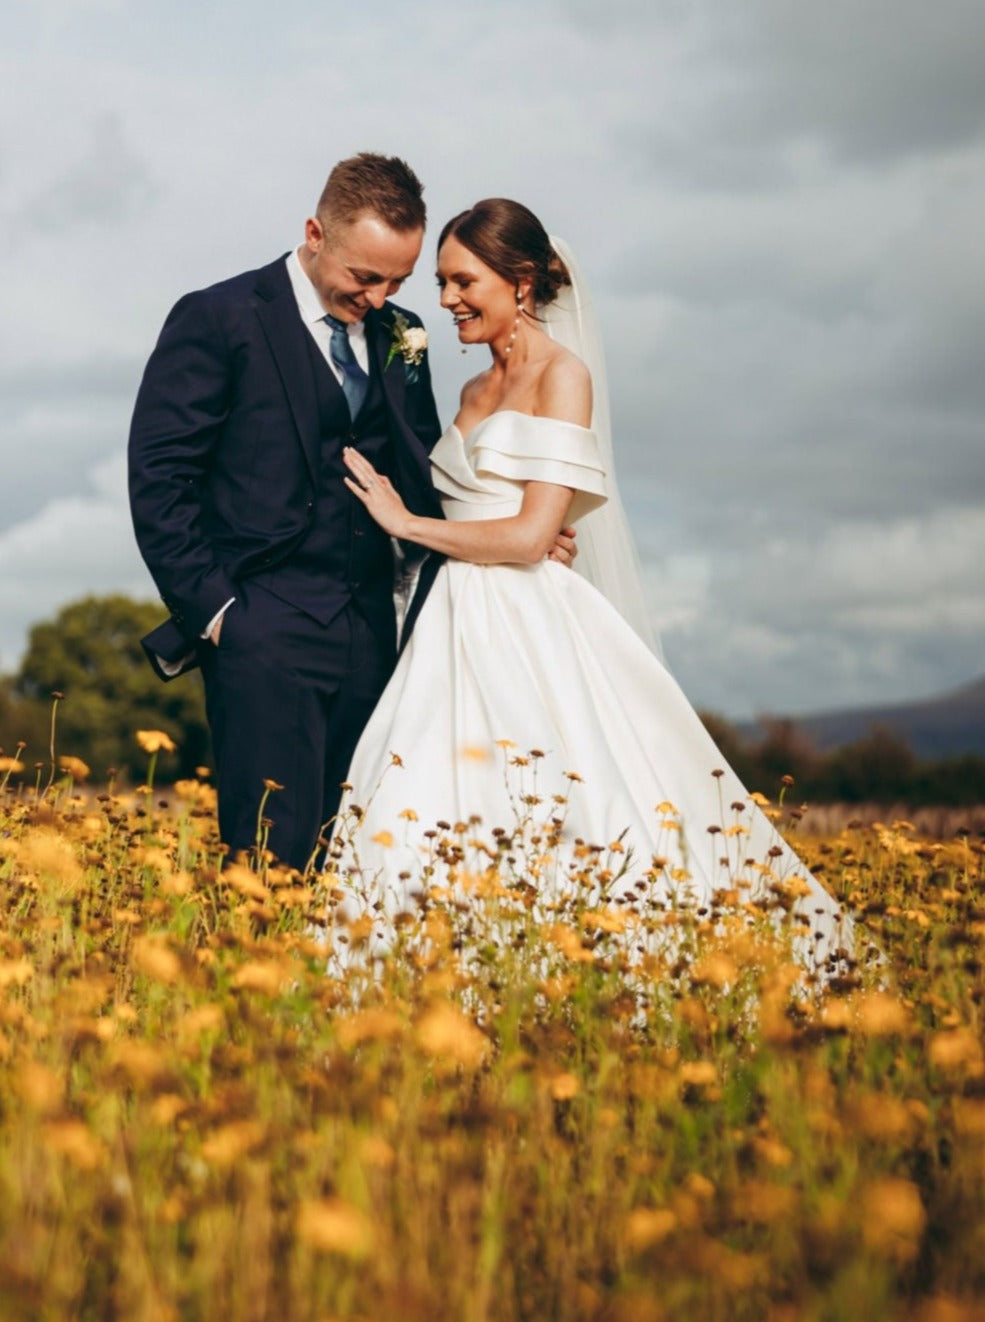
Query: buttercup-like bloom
point(152, 741)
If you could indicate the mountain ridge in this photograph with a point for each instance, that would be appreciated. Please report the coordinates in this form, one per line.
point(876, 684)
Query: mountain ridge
point(947, 725)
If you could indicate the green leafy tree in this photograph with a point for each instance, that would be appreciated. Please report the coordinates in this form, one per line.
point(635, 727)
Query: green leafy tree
point(879, 767)
point(21, 722)
point(91, 653)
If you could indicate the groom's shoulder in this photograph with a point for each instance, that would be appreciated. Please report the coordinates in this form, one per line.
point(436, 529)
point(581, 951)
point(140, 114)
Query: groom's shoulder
point(269, 280)
point(235, 294)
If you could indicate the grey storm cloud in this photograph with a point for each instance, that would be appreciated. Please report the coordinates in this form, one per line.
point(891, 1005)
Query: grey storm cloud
point(107, 184)
point(874, 79)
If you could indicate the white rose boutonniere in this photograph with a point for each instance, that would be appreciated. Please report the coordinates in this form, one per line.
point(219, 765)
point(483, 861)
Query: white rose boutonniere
point(408, 342)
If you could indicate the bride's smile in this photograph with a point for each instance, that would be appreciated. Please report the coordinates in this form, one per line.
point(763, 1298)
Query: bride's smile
point(483, 303)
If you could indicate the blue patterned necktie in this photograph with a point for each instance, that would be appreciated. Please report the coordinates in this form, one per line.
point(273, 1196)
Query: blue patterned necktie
point(355, 382)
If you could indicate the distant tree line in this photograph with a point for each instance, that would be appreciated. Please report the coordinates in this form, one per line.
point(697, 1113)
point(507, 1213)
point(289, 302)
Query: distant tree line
point(91, 654)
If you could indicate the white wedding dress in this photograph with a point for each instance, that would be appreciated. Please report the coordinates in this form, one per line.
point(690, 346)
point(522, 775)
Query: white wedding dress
point(537, 656)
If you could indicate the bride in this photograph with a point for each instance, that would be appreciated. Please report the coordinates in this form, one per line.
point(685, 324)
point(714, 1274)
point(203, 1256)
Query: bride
point(512, 646)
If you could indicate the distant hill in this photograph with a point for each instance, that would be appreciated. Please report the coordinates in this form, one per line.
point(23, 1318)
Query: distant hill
point(945, 726)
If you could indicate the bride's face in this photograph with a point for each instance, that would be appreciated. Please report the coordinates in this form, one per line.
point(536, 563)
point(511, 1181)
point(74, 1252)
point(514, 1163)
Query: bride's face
point(482, 302)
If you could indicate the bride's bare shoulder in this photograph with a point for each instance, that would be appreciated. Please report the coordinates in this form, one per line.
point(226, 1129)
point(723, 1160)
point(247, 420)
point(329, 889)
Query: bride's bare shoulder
point(473, 389)
point(565, 388)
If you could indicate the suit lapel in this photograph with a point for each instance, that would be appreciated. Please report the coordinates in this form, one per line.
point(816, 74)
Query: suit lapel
point(277, 311)
point(378, 333)
point(413, 462)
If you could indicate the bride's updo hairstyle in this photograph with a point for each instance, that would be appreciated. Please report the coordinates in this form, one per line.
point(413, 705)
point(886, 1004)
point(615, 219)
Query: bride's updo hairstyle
point(509, 238)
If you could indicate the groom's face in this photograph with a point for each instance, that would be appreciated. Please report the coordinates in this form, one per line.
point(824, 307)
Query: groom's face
point(358, 265)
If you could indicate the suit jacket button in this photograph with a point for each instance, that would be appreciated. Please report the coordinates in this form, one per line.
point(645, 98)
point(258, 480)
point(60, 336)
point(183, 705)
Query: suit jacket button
point(355, 585)
point(358, 532)
point(353, 436)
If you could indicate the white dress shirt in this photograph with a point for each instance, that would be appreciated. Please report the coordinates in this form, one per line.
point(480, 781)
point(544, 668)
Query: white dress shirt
point(312, 313)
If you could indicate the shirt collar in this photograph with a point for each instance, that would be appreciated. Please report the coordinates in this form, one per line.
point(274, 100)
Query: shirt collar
point(308, 300)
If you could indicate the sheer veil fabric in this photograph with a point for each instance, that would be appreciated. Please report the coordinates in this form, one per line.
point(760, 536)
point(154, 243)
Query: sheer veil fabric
point(607, 556)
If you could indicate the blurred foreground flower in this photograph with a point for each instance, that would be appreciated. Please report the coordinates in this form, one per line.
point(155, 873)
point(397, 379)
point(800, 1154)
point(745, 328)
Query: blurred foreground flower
point(330, 1225)
point(893, 1218)
point(446, 1033)
point(646, 1226)
point(153, 956)
point(153, 741)
point(75, 1141)
point(228, 1144)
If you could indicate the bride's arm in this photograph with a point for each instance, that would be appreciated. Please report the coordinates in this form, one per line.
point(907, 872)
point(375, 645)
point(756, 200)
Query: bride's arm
point(522, 539)
point(564, 393)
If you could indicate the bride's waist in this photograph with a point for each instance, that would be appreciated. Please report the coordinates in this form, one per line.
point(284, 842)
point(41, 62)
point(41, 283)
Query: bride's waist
point(461, 511)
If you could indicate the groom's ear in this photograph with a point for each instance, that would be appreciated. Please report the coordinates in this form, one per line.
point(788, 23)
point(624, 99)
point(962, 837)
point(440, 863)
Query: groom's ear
point(314, 234)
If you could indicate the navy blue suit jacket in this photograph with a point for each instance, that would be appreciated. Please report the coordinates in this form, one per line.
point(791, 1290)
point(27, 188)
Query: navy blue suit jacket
point(224, 445)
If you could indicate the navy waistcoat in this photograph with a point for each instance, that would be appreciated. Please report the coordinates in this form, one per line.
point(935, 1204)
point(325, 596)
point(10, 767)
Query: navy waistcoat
point(345, 556)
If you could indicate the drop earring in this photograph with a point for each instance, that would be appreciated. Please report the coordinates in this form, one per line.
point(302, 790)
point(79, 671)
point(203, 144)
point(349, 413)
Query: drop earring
point(516, 322)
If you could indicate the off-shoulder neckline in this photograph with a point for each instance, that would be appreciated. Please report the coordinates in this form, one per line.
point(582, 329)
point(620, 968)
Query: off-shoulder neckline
point(532, 417)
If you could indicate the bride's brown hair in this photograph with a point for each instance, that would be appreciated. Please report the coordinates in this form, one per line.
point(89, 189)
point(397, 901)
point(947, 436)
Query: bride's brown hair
point(509, 238)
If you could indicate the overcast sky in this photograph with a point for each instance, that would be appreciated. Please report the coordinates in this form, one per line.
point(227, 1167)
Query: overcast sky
point(780, 206)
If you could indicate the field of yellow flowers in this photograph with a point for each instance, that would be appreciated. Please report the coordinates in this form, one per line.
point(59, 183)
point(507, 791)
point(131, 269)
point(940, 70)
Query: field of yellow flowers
point(205, 1115)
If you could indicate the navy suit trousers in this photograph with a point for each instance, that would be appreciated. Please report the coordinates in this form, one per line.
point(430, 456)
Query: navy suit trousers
point(309, 689)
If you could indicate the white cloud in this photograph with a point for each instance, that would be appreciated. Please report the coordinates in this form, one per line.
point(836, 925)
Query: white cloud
point(72, 546)
point(889, 610)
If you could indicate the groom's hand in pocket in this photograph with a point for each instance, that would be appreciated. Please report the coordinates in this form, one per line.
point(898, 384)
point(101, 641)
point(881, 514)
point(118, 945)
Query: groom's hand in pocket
point(564, 549)
point(215, 627)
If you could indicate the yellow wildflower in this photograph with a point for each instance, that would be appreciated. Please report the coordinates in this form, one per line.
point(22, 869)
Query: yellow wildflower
point(474, 753)
point(445, 1032)
point(893, 1218)
point(564, 1087)
point(646, 1226)
point(230, 1143)
point(153, 741)
point(330, 1225)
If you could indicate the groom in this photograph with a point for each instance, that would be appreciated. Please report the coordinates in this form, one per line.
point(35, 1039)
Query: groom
point(278, 583)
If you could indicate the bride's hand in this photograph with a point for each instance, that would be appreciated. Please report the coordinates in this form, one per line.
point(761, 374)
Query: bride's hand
point(564, 549)
point(376, 492)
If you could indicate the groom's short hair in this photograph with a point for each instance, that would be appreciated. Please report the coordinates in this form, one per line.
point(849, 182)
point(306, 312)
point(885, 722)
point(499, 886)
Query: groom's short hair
point(382, 186)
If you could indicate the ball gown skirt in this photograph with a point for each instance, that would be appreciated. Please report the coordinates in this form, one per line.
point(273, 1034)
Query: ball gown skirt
point(505, 659)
